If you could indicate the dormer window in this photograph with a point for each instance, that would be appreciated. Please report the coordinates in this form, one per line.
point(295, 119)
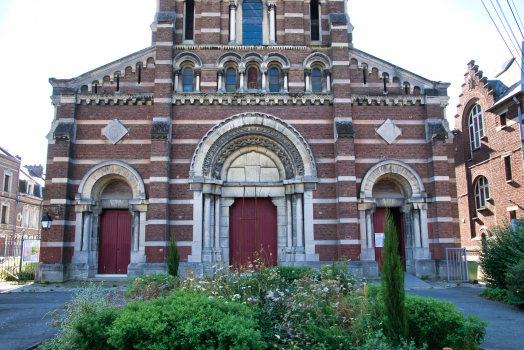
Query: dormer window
point(252, 22)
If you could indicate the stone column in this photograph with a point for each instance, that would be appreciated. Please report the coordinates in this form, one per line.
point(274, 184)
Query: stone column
point(369, 229)
point(272, 24)
point(264, 79)
point(308, 79)
point(300, 222)
point(285, 72)
point(136, 231)
point(232, 23)
point(328, 81)
point(217, 224)
point(241, 73)
point(87, 231)
point(289, 222)
point(207, 222)
point(197, 80)
point(177, 78)
point(220, 75)
point(416, 226)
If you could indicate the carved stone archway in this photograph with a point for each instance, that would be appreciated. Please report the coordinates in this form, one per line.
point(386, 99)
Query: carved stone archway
point(89, 206)
point(293, 178)
point(412, 204)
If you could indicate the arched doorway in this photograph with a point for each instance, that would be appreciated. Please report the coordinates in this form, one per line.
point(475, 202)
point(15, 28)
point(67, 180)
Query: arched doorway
point(395, 185)
point(246, 156)
point(111, 211)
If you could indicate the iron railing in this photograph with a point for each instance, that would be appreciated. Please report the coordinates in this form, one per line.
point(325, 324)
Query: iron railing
point(457, 264)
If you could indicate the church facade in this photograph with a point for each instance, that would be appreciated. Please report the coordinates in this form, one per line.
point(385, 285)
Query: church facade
point(247, 125)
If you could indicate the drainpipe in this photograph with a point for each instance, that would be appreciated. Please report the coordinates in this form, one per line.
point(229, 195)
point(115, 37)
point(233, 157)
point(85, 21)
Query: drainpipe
point(16, 198)
point(520, 123)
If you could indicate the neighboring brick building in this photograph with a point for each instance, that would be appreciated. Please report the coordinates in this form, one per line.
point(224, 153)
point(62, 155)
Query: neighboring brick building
point(488, 150)
point(269, 93)
point(21, 197)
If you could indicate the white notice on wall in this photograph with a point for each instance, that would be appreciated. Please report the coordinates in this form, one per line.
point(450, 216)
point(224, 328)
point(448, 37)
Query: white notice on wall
point(379, 240)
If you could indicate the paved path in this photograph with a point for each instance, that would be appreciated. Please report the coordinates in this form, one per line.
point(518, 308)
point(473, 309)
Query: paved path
point(505, 330)
point(21, 323)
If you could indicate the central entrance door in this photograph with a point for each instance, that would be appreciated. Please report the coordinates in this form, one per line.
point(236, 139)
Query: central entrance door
point(379, 218)
point(253, 231)
point(115, 242)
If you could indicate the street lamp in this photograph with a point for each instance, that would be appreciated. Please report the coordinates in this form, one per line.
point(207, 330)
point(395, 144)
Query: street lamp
point(46, 222)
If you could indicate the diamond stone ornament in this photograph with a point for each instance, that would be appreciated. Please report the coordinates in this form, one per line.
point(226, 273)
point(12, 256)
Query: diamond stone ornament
point(114, 131)
point(389, 131)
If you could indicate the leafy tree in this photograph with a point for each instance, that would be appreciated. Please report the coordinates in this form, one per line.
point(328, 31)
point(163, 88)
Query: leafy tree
point(173, 260)
point(396, 322)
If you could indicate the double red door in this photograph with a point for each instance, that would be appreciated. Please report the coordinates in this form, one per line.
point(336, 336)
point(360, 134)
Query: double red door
point(115, 242)
point(379, 218)
point(247, 236)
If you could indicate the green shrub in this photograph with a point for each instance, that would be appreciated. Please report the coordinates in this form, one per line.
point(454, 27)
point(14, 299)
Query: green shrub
point(151, 286)
point(92, 330)
point(292, 273)
point(92, 306)
point(186, 320)
point(394, 294)
point(378, 341)
point(439, 325)
point(500, 252)
point(496, 294)
point(173, 260)
point(515, 283)
point(339, 270)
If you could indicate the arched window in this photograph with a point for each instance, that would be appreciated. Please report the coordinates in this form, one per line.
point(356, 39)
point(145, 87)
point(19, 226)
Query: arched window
point(252, 22)
point(314, 18)
point(189, 20)
point(476, 127)
point(231, 80)
point(252, 78)
point(316, 80)
point(274, 80)
point(481, 193)
point(187, 80)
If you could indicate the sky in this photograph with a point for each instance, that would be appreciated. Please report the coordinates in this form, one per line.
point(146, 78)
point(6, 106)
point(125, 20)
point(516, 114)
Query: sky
point(40, 39)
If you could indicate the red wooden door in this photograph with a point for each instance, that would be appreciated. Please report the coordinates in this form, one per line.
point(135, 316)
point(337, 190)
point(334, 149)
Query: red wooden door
point(257, 235)
point(378, 225)
point(252, 78)
point(115, 242)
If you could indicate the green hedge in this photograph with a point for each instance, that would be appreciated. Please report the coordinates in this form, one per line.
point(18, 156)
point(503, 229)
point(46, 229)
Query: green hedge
point(185, 320)
point(439, 325)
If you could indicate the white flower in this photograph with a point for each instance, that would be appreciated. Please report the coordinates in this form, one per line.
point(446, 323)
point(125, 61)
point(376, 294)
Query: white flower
point(278, 336)
point(326, 289)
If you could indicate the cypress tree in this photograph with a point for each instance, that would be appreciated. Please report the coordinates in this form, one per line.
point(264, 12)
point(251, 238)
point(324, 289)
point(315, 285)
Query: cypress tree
point(396, 323)
point(173, 260)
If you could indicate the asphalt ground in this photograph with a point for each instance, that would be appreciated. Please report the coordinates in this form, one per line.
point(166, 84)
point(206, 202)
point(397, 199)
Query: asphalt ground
point(505, 330)
point(21, 323)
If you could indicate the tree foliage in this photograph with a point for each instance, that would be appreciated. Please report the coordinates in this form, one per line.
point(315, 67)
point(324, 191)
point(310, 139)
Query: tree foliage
point(396, 323)
point(173, 260)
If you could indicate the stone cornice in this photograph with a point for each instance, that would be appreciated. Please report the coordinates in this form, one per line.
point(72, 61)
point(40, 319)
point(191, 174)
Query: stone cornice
point(253, 98)
point(143, 98)
point(388, 99)
point(249, 47)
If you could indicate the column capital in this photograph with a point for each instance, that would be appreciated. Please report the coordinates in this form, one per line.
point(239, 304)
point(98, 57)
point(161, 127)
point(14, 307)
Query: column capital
point(198, 72)
point(232, 5)
point(271, 6)
point(220, 72)
point(307, 71)
point(176, 72)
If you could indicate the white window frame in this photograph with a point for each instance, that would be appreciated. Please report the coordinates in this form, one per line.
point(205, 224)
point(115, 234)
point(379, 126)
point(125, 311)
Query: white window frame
point(184, 40)
point(10, 182)
point(481, 192)
point(316, 42)
point(6, 214)
point(476, 127)
point(30, 189)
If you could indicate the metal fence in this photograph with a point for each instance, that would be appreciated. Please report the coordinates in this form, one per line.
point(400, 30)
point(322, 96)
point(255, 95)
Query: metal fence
point(457, 264)
point(13, 265)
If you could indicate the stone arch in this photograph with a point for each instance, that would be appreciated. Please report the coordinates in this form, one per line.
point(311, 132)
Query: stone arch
point(398, 171)
point(95, 180)
point(187, 56)
point(277, 57)
point(253, 130)
point(270, 169)
point(227, 57)
point(318, 57)
point(252, 56)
